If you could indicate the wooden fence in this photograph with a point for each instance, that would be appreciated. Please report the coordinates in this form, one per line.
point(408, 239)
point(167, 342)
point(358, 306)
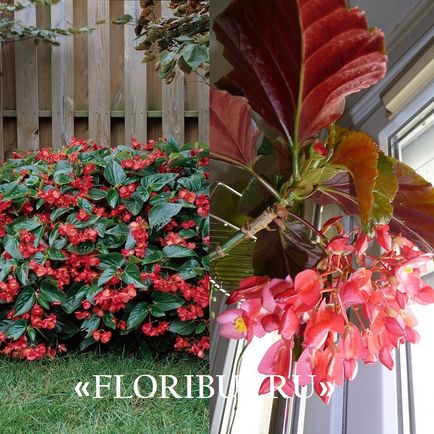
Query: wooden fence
point(92, 85)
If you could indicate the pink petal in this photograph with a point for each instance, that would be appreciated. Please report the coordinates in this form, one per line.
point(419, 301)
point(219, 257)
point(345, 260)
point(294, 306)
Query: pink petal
point(350, 369)
point(230, 332)
point(277, 360)
point(289, 324)
point(229, 316)
point(393, 326)
point(386, 358)
point(425, 295)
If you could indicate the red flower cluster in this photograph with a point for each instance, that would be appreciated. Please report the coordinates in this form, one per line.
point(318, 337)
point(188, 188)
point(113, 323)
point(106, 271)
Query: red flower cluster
point(353, 306)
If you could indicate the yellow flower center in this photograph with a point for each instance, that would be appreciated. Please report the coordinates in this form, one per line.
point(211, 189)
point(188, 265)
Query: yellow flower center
point(408, 270)
point(240, 325)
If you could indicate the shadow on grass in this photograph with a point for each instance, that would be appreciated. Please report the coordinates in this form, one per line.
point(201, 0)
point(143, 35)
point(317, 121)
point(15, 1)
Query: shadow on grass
point(39, 397)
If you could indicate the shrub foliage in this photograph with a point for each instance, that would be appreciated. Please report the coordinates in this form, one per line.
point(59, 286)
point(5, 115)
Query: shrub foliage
point(104, 246)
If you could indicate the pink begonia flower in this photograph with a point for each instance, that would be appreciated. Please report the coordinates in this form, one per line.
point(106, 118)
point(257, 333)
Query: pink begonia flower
point(250, 287)
point(357, 288)
point(339, 245)
point(353, 347)
point(361, 244)
point(277, 361)
point(233, 324)
point(383, 237)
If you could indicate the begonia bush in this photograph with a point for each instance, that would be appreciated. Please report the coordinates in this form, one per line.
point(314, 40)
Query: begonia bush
point(104, 246)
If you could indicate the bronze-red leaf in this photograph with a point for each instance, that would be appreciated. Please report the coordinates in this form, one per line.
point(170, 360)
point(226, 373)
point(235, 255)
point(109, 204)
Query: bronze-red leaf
point(233, 132)
point(297, 60)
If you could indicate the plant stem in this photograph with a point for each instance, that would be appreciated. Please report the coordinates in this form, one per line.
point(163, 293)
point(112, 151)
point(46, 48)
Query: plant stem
point(267, 185)
point(308, 225)
point(248, 231)
point(260, 223)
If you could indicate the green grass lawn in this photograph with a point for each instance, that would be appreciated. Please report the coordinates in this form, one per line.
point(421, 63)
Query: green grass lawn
point(39, 397)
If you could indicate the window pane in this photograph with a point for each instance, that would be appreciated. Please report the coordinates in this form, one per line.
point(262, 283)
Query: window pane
point(416, 149)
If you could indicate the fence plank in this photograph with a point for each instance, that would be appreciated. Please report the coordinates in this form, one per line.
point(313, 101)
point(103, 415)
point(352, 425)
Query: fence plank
point(2, 143)
point(26, 70)
point(203, 110)
point(62, 72)
point(173, 97)
point(136, 98)
point(99, 71)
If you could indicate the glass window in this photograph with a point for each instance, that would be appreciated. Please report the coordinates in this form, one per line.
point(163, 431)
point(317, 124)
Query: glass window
point(414, 145)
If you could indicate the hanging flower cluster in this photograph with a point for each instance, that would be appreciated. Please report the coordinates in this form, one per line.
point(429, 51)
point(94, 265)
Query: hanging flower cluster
point(354, 305)
point(104, 245)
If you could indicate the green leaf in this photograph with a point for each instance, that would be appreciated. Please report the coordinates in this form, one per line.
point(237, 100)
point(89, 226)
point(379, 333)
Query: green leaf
point(191, 183)
point(155, 256)
point(137, 315)
point(200, 328)
point(143, 193)
point(25, 300)
point(85, 204)
point(161, 214)
point(55, 255)
point(48, 288)
point(134, 205)
point(96, 194)
point(106, 275)
point(156, 311)
point(5, 268)
point(386, 187)
point(165, 301)
point(109, 320)
point(31, 333)
point(166, 57)
point(182, 328)
point(83, 248)
point(132, 275)
point(16, 329)
point(74, 298)
point(91, 324)
point(114, 173)
point(22, 273)
point(190, 269)
point(111, 260)
point(43, 302)
point(158, 181)
point(205, 227)
point(122, 19)
point(62, 178)
point(101, 226)
point(178, 252)
point(194, 54)
point(59, 212)
point(112, 197)
point(92, 292)
point(10, 244)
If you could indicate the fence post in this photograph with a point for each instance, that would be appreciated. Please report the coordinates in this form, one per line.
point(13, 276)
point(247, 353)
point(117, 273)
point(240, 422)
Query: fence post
point(62, 73)
point(136, 101)
point(26, 81)
point(99, 71)
point(173, 97)
point(2, 140)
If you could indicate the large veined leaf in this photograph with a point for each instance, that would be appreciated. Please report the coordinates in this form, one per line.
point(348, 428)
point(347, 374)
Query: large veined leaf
point(413, 206)
point(358, 153)
point(386, 187)
point(233, 132)
point(292, 251)
point(297, 60)
point(407, 194)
